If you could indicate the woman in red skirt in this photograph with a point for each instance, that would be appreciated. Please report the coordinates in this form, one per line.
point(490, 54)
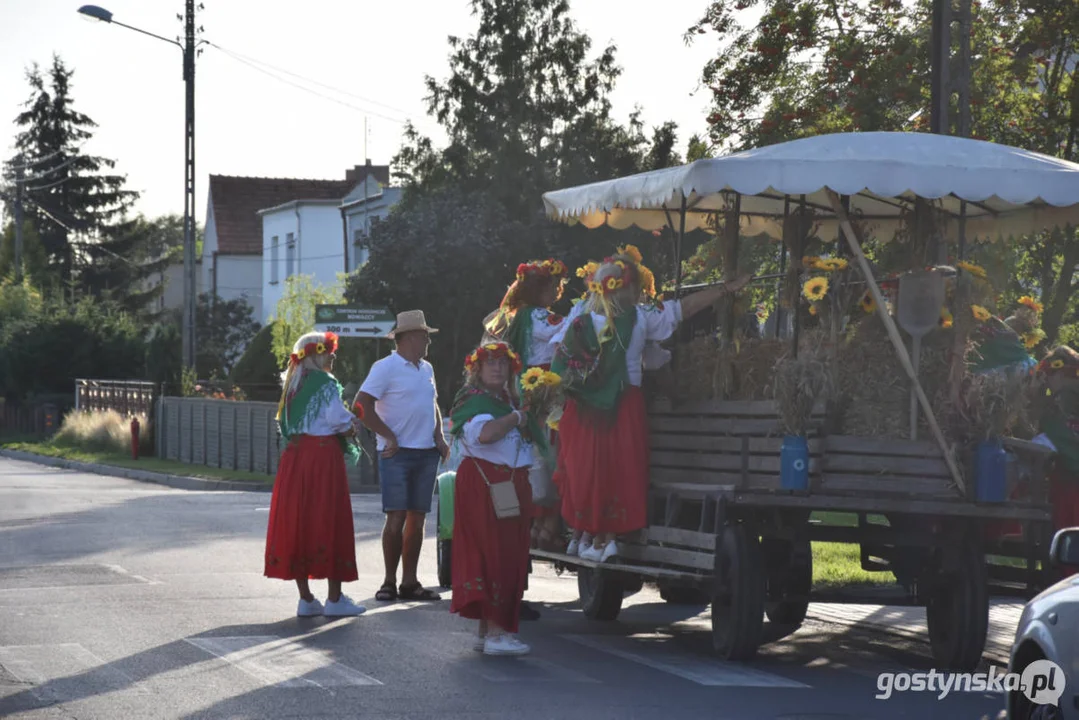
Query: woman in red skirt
point(490, 554)
point(310, 533)
point(603, 455)
point(525, 321)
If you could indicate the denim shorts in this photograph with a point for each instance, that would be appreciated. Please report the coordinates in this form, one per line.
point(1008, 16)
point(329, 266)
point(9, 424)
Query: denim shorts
point(408, 479)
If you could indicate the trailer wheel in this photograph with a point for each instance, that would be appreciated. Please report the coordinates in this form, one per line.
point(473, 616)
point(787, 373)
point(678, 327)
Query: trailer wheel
point(444, 555)
point(789, 567)
point(738, 601)
point(957, 612)
point(676, 595)
point(601, 593)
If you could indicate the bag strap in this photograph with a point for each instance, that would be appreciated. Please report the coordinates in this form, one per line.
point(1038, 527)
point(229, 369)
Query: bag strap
point(476, 462)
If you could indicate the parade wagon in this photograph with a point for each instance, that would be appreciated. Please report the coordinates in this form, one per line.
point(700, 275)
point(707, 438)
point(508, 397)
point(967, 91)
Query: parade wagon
point(739, 479)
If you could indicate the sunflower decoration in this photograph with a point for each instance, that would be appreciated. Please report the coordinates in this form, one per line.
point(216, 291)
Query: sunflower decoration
point(975, 270)
point(867, 303)
point(532, 378)
point(540, 390)
point(493, 351)
point(1032, 338)
point(980, 313)
point(815, 289)
point(1030, 302)
point(831, 264)
point(588, 270)
point(946, 319)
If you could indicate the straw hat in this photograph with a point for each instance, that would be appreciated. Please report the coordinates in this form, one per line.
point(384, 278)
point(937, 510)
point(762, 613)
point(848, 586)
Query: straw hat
point(411, 320)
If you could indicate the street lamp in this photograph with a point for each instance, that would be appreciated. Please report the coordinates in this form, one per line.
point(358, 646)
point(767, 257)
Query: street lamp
point(94, 12)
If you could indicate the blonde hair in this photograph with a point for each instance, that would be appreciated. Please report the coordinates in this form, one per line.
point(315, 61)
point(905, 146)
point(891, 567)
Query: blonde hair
point(296, 372)
point(621, 300)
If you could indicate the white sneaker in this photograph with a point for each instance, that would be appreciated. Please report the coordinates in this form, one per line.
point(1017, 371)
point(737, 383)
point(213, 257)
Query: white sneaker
point(505, 644)
point(591, 553)
point(309, 609)
point(573, 547)
point(609, 551)
point(344, 607)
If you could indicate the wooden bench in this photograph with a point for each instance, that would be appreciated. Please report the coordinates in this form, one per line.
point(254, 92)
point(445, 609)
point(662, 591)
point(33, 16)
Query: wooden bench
point(699, 448)
point(671, 548)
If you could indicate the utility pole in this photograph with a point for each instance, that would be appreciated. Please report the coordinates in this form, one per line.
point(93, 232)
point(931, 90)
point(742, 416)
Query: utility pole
point(190, 285)
point(963, 81)
point(366, 175)
point(19, 169)
point(941, 54)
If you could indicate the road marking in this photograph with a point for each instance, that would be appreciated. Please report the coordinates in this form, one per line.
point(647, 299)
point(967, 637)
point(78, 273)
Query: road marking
point(530, 669)
point(64, 671)
point(272, 660)
point(689, 667)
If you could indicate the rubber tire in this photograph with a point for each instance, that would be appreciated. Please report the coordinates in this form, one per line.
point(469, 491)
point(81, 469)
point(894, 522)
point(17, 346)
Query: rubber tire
point(789, 568)
point(738, 614)
point(684, 595)
point(444, 551)
point(600, 592)
point(957, 614)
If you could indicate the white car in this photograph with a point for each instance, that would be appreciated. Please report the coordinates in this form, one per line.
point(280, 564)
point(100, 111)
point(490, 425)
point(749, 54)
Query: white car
point(1049, 631)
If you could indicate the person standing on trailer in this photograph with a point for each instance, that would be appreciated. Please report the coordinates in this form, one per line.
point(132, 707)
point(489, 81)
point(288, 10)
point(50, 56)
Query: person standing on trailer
point(603, 456)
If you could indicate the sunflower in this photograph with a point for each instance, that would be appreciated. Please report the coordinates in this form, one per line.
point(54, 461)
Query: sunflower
point(975, 270)
point(1031, 303)
point(490, 346)
point(595, 286)
point(551, 378)
point(320, 348)
point(648, 281)
point(587, 270)
point(867, 302)
point(946, 320)
point(613, 284)
point(1056, 364)
point(532, 378)
point(813, 310)
point(815, 289)
point(831, 264)
point(1032, 338)
point(980, 313)
point(810, 261)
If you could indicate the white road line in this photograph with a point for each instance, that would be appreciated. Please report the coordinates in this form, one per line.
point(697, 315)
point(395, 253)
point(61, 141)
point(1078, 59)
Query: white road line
point(54, 670)
point(689, 667)
point(272, 660)
point(530, 669)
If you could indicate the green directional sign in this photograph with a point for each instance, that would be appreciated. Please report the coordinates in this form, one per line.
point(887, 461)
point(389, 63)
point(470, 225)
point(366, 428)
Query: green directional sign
point(354, 321)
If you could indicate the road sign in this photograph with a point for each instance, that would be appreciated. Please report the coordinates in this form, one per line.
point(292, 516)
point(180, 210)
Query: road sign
point(354, 321)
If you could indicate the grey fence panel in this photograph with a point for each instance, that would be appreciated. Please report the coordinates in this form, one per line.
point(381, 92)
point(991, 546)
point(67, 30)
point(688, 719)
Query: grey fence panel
point(260, 441)
point(213, 435)
point(198, 434)
point(172, 429)
point(228, 437)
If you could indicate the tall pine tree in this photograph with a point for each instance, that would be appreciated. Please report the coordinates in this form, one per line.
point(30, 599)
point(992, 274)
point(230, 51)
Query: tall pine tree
point(79, 208)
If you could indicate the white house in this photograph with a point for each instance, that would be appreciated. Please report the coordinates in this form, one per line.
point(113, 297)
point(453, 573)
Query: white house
point(368, 204)
point(234, 254)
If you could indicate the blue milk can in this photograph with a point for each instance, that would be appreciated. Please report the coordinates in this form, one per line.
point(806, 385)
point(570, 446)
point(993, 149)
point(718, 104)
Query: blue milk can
point(794, 463)
point(992, 464)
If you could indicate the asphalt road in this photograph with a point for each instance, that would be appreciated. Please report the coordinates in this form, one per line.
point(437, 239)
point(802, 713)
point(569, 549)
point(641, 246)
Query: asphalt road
point(120, 599)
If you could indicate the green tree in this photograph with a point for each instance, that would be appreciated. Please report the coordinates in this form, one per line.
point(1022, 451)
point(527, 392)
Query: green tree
point(78, 207)
point(35, 262)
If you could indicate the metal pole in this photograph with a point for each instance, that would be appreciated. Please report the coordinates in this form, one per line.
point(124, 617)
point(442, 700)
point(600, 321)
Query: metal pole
point(189, 349)
point(18, 218)
point(941, 55)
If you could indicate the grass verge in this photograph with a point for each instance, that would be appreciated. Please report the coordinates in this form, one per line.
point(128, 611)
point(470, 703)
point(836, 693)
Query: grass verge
point(838, 565)
point(150, 464)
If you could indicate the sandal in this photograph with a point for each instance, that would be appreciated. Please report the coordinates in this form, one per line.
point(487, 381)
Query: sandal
point(417, 592)
point(386, 593)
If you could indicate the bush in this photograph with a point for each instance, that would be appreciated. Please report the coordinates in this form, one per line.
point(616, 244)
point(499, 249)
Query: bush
point(257, 372)
point(102, 431)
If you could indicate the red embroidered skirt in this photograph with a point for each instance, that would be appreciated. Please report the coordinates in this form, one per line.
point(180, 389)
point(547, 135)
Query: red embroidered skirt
point(602, 472)
point(490, 556)
point(310, 533)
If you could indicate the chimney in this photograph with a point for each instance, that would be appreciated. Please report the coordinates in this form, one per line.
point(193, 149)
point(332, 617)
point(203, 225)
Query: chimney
point(357, 174)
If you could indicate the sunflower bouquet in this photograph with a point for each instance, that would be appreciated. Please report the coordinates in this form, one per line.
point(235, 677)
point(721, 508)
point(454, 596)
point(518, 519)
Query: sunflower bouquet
point(541, 391)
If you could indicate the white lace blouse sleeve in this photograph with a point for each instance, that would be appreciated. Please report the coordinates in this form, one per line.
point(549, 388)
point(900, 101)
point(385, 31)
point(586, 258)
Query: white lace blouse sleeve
point(474, 427)
point(560, 333)
point(660, 324)
point(542, 328)
point(335, 417)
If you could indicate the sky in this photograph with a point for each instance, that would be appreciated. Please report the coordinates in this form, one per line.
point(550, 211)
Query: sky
point(251, 121)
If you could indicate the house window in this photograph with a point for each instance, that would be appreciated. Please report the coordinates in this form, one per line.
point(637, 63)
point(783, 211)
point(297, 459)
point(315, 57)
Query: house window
point(290, 256)
point(273, 260)
point(360, 242)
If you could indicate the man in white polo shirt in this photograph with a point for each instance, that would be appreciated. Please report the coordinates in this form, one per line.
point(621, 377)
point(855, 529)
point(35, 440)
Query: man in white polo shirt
point(400, 406)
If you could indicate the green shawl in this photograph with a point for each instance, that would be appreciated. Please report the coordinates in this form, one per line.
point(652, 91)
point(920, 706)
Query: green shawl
point(519, 333)
point(998, 347)
point(472, 401)
point(308, 403)
point(594, 372)
point(1056, 423)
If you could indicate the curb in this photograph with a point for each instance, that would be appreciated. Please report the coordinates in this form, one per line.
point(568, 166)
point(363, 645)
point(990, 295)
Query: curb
point(180, 482)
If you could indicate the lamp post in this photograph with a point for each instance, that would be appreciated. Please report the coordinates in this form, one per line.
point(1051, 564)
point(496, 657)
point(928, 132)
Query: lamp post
point(188, 48)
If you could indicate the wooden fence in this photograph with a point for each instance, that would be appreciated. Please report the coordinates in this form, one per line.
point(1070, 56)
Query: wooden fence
point(29, 419)
point(233, 435)
point(127, 397)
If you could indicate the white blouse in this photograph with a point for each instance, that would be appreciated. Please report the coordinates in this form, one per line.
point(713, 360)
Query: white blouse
point(541, 351)
point(511, 450)
point(653, 325)
point(333, 419)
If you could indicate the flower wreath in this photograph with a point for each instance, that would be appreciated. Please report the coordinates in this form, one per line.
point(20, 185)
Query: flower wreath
point(311, 348)
point(550, 267)
point(627, 258)
point(493, 351)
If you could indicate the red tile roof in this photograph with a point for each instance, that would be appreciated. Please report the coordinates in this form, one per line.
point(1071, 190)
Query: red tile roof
point(237, 200)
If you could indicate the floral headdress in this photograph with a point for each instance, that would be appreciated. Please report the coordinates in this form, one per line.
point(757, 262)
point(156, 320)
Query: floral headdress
point(550, 267)
point(493, 351)
point(1062, 361)
point(628, 259)
point(315, 348)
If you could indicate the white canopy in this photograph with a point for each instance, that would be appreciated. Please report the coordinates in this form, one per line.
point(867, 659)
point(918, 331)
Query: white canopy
point(1008, 191)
